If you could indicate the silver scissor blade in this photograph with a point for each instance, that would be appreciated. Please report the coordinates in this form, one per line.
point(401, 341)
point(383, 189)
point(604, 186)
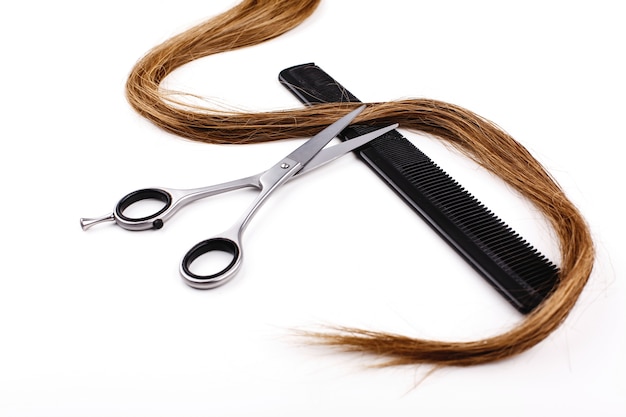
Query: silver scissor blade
point(305, 152)
point(330, 154)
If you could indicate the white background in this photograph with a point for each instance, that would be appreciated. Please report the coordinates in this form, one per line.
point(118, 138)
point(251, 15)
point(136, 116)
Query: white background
point(99, 323)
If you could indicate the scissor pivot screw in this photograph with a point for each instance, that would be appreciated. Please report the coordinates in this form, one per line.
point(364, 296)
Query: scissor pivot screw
point(285, 165)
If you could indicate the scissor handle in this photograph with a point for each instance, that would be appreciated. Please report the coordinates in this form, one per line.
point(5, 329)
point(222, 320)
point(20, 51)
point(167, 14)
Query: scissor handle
point(221, 244)
point(173, 199)
point(140, 195)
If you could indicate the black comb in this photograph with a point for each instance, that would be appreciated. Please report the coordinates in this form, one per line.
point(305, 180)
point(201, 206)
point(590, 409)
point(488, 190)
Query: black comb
point(517, 270)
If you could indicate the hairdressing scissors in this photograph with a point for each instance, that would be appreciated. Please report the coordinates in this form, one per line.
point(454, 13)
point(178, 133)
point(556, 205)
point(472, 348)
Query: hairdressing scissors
point(305, 158)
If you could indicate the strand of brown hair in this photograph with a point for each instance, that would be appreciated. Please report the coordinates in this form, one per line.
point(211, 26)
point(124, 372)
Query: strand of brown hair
point(255, 21)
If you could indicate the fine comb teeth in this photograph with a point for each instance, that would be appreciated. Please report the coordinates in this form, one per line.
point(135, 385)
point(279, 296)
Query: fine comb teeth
point(516, 270)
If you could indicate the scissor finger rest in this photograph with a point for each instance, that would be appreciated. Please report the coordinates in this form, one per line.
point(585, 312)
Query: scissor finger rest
point(216, 244)
point(141, 195)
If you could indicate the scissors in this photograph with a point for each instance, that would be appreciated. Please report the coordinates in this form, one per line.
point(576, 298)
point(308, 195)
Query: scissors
point(305, 158)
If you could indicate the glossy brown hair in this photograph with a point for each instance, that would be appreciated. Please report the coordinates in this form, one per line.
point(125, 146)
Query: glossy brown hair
point(255, 21)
